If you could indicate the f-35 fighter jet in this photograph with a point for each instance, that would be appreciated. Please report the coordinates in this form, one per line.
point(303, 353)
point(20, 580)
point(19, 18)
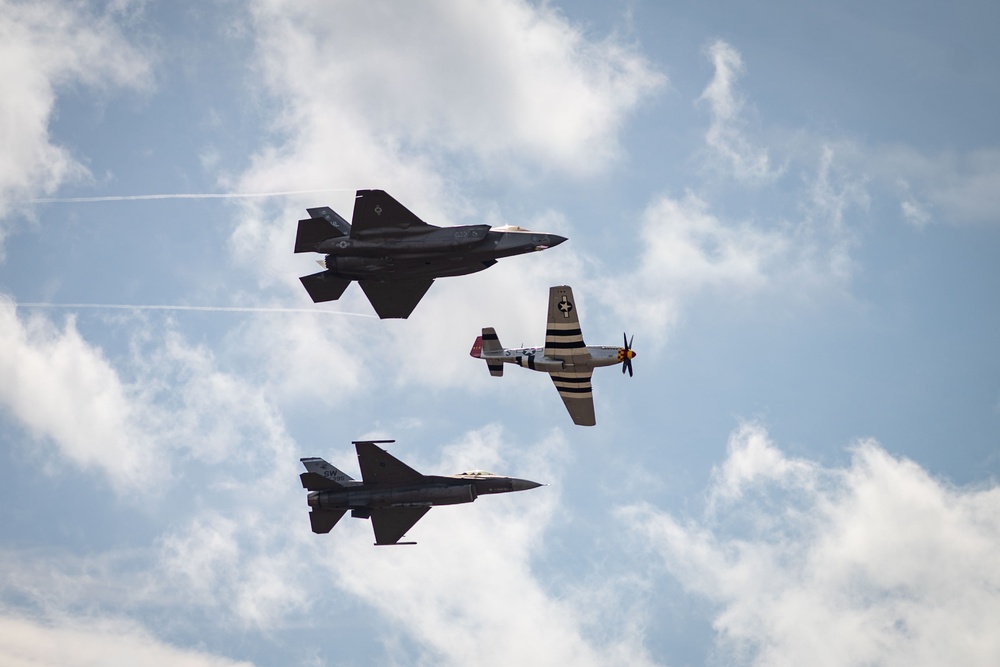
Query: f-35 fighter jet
point(568, 361)
point(392, 494)
point(395, 256)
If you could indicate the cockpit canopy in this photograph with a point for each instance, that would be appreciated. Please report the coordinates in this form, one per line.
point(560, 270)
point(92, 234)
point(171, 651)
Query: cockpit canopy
point(510, 228)
point(477, 473)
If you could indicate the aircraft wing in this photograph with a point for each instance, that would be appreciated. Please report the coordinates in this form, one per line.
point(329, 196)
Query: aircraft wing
point(397, 298)
point(563, 338)
point(577, 393)
point(377, 214)
point(380, 467)
point(391, 523)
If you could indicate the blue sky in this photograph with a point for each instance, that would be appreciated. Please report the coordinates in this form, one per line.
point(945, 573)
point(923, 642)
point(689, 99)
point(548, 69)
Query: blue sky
point(792, 207)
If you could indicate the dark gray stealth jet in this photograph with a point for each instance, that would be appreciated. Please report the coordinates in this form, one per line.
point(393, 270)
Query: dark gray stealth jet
point(393, 495)
point(395, 256)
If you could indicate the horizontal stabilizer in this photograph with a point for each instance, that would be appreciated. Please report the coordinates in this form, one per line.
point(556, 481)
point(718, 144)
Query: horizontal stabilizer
point(313, 481)
point(324, 520)
point(314, 231)
point(491, 351)
point(323, 286)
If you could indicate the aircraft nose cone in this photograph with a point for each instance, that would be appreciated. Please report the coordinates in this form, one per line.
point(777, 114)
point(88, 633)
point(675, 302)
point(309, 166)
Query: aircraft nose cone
point(523, 484)
point(555, 239)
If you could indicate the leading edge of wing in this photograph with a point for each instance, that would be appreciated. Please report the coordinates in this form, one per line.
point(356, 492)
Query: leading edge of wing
point(395, 299)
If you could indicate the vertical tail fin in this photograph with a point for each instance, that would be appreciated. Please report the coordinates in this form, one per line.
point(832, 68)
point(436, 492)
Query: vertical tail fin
point(331, 217)
point(326, 470)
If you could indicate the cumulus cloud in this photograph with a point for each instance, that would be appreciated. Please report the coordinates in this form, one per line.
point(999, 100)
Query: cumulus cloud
point(71, 642)
point(46, 47)
point(502, 80)
point(687, 249)
point(726, 136)
point(124, 418)
point(64, 390)
point(873, 563)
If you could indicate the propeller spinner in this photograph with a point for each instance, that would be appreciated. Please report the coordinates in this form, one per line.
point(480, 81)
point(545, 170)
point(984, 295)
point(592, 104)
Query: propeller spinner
point(628, 355)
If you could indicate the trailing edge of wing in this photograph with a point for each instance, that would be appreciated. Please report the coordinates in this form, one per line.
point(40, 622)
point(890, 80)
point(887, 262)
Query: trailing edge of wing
point(395, 299)
point(391, 523)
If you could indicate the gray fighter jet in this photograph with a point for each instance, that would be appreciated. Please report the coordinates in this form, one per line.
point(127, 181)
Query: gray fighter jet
point(392, 494)
point(395, 256)
point(568, 361)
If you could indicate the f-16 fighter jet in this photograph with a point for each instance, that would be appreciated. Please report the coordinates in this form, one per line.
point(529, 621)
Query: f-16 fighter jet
point(568, 361)
point(392, 494)
point(395, 256)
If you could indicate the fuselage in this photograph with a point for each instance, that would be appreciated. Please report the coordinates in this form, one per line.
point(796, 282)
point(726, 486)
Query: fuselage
point(433, 490)
point(534, 358)
point(438, 252)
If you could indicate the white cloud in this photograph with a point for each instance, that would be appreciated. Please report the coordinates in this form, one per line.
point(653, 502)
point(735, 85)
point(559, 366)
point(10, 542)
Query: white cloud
point(110, 642)
point(61, 388)
point(686, 249)
point(168, 396)
point(726, 136)
point(44, 47)
point(948, 187)
point(250, 568)
point(875, 563)
point(502, 80)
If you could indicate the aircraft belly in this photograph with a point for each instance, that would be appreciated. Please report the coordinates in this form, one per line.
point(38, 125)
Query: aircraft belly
point(535, 362)
point(399, 269)
point(398, 497)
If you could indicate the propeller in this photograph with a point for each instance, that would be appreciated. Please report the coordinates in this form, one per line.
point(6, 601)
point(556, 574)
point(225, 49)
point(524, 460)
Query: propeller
point(629, 353)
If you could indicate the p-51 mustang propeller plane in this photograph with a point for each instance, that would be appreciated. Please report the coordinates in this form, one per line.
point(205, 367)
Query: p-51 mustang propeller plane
point(395, 256)
point(568, 361)
point(392, 494)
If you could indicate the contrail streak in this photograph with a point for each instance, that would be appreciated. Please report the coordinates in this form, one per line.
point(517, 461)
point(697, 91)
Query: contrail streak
point(208, 309)
point(196, 195)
